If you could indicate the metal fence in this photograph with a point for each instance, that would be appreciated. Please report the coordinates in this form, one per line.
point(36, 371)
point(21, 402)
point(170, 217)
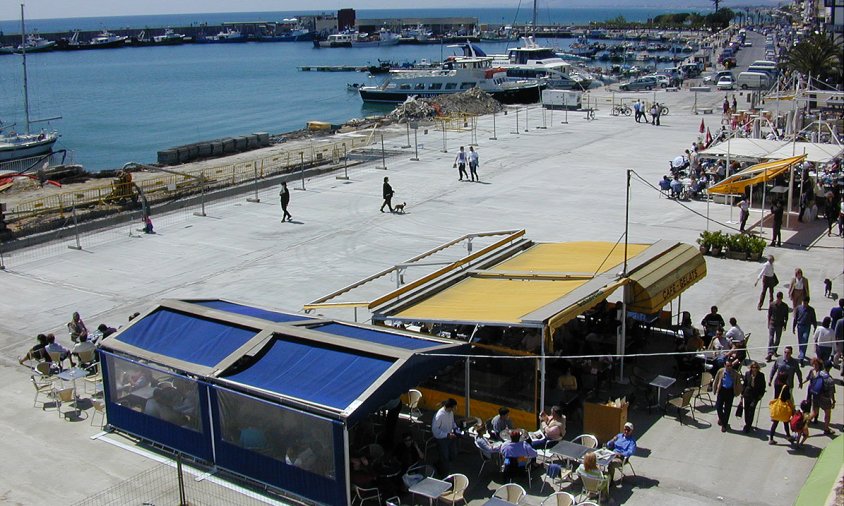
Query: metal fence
point(171, 186)
point(169, 485)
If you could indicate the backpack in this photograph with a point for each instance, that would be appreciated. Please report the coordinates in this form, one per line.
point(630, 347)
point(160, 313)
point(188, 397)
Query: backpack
point(796, 421)
point(817, 385)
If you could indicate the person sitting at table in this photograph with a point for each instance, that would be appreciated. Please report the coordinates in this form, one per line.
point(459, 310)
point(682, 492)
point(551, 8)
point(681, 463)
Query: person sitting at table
point(76, 327)
point(552, 428)
point(483, 441)
point(676, 187)
point(665, 184)
point(710, 323)
point(83, 346)
point(517, 454)
point(54, 347)
point(735, 334)
point(161, 405)
point(623, 446)
point(589, 468)
point(105, 330)
point(37, 352)
point(502, 421)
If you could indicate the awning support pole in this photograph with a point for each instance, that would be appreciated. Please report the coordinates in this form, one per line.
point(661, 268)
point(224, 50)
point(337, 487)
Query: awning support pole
point(545, 335)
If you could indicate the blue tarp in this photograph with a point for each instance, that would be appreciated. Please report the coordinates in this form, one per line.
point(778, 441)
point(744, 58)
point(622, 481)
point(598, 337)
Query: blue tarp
point(375, 336)
point(273, 316)
point(186, 337)
point(326, 376)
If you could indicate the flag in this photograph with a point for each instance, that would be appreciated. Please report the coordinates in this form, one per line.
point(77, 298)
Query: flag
point(702, 127)
point(708, 137)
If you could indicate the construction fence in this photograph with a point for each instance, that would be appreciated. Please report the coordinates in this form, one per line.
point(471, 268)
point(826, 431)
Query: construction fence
point(172, 185)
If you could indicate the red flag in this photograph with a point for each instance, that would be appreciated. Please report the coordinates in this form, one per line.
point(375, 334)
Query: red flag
point(708, 137)
point(702, 127)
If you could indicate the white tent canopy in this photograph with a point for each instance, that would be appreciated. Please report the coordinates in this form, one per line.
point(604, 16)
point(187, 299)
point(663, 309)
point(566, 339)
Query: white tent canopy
point(762, 149)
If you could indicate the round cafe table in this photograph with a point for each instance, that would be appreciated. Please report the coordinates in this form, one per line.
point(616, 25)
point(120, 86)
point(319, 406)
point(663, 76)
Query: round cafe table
point(505, 435)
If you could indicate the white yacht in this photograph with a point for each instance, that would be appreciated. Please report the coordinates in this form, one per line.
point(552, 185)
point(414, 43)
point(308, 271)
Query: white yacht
point(384, 37)
point(534, 62)
point(457, 74)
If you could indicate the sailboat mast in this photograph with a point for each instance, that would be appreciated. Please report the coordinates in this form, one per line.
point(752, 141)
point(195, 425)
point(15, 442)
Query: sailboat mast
point(534, 16)
point(25, 83)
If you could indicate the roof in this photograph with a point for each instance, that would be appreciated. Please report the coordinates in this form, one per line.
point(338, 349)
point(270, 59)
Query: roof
point(762, 149)
point(335, 369)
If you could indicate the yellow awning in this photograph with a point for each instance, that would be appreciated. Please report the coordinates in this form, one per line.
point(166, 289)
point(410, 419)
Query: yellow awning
point(758, 173)
point(489, 300)
point(572, 257)
point(661, 279)
point(581, 306)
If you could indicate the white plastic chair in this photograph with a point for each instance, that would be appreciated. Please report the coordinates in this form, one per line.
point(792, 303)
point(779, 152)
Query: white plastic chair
point(587, 440)
point(413, 398)
point(459, 485)
point(559, 499)
point(511, 492)
point(594, 486)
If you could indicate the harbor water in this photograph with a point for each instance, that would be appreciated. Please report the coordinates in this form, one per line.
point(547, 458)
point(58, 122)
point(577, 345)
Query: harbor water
point(122, 105)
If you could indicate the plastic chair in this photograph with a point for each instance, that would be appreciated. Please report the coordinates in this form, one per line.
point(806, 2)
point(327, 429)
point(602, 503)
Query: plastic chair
point(520, 465)
point(459, 485)
point(587, 440)
point(594, 486)
point(703, 389)
point(44, 369)
point(486, 457)
point(56, 357)
point(99, 409)
point(413, 398)
point(682, 402)
point(64, 396)
point(559, 499)
point(365, 494)
point(43, 388)
point(510, 492)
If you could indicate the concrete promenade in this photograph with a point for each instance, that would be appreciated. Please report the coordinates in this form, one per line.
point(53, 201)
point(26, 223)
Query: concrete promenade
point(562, 183)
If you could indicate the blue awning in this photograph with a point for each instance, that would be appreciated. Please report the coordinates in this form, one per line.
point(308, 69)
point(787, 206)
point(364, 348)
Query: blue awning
point(325, 376)
point(374, 336)
point(231, 307)
point(186, 337)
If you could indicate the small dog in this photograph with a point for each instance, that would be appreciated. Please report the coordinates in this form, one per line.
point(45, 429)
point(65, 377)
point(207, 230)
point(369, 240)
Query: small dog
point(399, 208)
point(827, 290)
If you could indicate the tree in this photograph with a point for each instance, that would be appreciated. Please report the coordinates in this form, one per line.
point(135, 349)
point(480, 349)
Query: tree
point(818, 55)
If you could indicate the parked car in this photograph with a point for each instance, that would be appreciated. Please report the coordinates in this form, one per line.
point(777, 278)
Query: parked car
point(748, 44)
point(715, 76)
point(661, 80)
point(726, 83)
point(642, 83)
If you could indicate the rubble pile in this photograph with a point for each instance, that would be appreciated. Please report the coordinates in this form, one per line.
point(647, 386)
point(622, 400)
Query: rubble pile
point(472, 102)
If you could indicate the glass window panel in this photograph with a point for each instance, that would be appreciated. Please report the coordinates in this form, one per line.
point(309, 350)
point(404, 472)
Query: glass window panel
point(283, 434)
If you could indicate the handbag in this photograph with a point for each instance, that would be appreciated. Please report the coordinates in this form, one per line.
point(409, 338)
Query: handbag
point(775, 281)
point(780, 410)
point(740, 409)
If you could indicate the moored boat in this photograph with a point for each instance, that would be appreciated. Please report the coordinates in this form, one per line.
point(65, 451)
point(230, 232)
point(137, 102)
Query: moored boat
point(457, 74)
point(384, 37)
point(227, 36)
point(534, 62)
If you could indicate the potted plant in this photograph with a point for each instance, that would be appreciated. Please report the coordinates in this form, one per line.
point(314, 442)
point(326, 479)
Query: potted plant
point(719, 240)
point(755, 248)
point(705, 242)
point(735, 247)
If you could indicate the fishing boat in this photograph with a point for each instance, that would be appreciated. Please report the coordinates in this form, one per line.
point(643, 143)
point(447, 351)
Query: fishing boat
point(384, 37)
point(289, 30)
point(457, 74)
point(107, 39)
point(34, 44)
point(227, 36)
point(15, 145)
point(168, 38)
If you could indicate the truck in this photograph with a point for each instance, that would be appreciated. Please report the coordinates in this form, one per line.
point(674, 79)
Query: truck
point(562, 99)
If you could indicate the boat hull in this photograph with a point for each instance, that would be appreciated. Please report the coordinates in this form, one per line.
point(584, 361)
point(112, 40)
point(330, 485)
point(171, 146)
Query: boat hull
point(520, 95)
point(23, 148)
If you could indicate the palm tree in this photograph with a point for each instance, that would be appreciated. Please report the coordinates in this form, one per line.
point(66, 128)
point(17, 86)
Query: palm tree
point(818, 56)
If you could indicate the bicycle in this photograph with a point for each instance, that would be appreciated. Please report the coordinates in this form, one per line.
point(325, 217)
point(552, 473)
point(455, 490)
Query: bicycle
point(623, 109)
point(664, 111)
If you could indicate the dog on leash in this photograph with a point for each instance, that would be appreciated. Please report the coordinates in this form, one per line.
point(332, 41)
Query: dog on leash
point(827, 290)
point(399, 208)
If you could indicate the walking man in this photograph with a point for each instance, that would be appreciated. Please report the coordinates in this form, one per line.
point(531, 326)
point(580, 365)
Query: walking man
point(777, 320)
point(387, 192)
point(637, 111)
point(805, 321)
point(654, 112)
point(726, 385)
point(284, 196)
point(787, 366)
point(777, 210)
point(444, 430)
point(473, 164)
point(460, 163)
point(769, 281)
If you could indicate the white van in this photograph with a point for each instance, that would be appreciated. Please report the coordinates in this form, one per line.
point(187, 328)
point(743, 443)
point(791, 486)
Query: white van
point(753, 81)
point(764, 63)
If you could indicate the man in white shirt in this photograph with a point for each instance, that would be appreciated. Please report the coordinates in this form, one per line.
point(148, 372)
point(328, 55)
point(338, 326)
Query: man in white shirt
point(735, 334)
point(769, 281)
point(443, 428)
point(83, 346)
point(54, 347)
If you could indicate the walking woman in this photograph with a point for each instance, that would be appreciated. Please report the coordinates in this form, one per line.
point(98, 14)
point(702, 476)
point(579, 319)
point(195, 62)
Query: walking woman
point(752, 392)
point(782, 392)
point(798, 289)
